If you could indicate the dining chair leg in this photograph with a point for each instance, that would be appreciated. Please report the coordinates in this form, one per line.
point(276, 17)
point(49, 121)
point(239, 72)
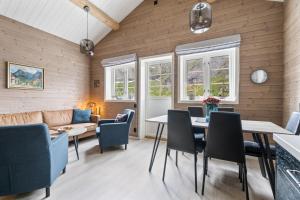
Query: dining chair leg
point(206, 165)
point(246, 181)
point(239, 172)
point(243, 178)
point(47, 192)
point(195, 166)
point(204, 174)
point(163, 178)
point(176, 158)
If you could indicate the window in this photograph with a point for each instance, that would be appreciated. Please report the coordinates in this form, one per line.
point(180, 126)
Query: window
point(120, 82)
point(213, 73)
point(160, 79)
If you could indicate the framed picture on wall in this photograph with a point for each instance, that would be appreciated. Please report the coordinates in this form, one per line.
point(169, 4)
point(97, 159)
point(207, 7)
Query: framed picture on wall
point(24, 77)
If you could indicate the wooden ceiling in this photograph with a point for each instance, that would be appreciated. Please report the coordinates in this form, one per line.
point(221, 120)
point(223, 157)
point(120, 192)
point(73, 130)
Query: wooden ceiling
point(66, 20)
point(212, 1)
point(98, 13)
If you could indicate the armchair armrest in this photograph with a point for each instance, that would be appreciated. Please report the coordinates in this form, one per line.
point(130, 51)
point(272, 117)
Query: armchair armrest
point(95, 118)
point(59, 155)
point(105, 121)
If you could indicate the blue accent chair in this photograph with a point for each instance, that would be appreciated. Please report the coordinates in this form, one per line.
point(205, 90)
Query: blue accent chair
point(111, 133)
point(29, 159)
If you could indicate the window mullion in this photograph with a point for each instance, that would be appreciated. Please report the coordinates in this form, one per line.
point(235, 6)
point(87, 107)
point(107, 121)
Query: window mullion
point(126, 83)
point(113, 80)
point(206, 75)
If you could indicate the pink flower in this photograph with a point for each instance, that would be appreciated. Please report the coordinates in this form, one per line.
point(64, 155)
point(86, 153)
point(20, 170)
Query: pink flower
point(211, 100)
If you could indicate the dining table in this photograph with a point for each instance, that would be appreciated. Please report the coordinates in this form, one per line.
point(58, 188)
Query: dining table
point(260, 131)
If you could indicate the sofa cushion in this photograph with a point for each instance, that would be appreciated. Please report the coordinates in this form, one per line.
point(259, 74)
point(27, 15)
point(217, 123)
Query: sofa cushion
point(21, 118)
point(58, 117)
point(81, 116)
point(88, 126)
point(121, 118)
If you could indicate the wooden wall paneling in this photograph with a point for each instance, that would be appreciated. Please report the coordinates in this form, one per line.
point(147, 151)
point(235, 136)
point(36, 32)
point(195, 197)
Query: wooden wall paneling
point(151, 30)
point(67, 71)
point(291, 58)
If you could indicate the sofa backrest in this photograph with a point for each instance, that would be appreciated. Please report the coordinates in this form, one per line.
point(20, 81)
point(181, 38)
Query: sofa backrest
point(21, 118)
point(24, 158)
point(58, 117)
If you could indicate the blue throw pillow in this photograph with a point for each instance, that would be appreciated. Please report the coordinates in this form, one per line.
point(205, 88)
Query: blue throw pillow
point(121, 118)
point(81, 116)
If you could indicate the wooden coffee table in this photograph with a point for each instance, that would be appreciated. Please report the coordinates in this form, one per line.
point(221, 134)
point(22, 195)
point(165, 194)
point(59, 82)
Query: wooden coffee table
point(74, 133)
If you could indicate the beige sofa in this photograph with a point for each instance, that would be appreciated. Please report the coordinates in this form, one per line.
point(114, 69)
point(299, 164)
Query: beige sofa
point(54, 120)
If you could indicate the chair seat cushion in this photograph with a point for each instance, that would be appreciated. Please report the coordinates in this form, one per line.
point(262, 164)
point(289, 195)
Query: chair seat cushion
point(253, 149)
point(200, 142)
point(198, 130)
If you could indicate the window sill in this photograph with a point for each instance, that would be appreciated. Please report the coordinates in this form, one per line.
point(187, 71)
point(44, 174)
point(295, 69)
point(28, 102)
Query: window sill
point(120, 101)
point(231, 102)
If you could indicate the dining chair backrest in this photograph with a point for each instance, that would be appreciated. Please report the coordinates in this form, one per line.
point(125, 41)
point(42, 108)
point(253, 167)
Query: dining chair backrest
point(196, 111)
point(226, 109)
point(293, 124)
point(180, 131)
point(225, 138)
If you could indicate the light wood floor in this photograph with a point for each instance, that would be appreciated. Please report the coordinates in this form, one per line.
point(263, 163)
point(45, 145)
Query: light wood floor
point(123, 175)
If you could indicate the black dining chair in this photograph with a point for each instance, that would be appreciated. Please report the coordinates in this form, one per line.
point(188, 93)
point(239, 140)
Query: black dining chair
point(225, 142)
point(182, 138)
point(226, 109)
point(252, 148)
point(196, 111)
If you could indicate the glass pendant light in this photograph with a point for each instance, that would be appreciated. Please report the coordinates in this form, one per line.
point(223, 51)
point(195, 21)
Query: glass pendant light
point(200, 17)
point(86, 45)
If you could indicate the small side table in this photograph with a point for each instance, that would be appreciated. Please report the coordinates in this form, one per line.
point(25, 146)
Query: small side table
point(74, 133)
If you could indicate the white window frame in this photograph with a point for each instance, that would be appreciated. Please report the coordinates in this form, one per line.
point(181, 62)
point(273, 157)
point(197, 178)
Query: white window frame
point(160, 86)
point(109, 82)
point(234, 67)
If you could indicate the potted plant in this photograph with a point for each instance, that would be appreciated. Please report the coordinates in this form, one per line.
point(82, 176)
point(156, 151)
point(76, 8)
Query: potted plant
point(211, 104)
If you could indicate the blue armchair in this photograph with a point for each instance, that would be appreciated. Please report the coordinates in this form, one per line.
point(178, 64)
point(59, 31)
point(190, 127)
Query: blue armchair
point(112, 133)
point(29, 159)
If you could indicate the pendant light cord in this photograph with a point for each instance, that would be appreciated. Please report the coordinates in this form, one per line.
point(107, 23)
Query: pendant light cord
point(87, 23)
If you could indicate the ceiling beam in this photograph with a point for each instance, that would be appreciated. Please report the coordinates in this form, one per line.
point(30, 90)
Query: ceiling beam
point(98, 13)
point(212, 1)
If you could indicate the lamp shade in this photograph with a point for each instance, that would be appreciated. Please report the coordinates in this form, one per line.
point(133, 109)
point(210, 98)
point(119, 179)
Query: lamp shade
point(200, 17)
point(87, 47)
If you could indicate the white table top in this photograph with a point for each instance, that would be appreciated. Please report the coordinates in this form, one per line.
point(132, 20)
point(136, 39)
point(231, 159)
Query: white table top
point(248, 126)
point(72, 132)
point(291, 143)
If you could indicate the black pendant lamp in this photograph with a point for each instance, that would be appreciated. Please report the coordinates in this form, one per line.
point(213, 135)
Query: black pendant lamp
point(86, 45)
point(200, 17)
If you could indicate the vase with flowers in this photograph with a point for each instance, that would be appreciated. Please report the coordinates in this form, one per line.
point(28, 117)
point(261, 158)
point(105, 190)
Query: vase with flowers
point(211, 104)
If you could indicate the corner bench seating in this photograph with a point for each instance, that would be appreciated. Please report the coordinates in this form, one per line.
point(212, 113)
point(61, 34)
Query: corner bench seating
point(54, 119)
